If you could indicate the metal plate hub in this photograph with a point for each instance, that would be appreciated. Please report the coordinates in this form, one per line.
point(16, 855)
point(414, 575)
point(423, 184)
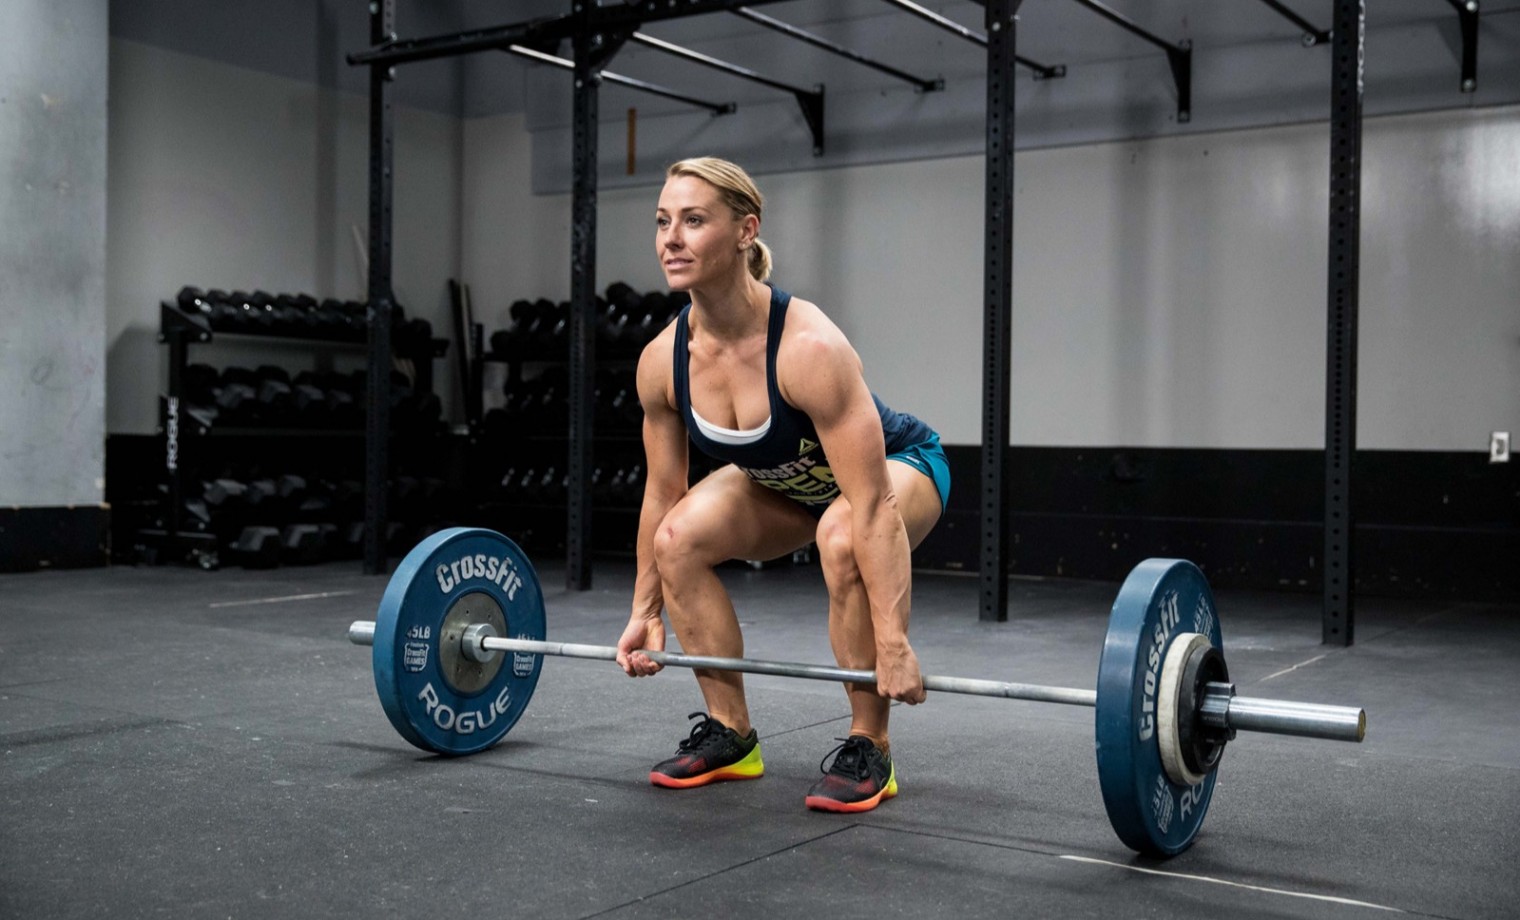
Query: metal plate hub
point(465, 673)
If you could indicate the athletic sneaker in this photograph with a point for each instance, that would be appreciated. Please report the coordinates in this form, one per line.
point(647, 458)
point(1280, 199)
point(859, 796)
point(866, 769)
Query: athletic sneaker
point(712, 752)
point(861, 777)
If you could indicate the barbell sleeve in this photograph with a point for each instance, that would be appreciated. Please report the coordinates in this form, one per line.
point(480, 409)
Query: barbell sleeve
point(1308, 720)
point(362, 632)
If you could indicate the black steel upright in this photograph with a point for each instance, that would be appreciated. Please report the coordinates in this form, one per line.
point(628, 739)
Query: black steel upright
point(377, 426)
point(1347, 55)
point(582, 312)
point(998, 306)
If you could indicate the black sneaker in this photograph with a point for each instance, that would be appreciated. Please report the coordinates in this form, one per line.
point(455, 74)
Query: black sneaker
point(861, 778)
point(712, 752)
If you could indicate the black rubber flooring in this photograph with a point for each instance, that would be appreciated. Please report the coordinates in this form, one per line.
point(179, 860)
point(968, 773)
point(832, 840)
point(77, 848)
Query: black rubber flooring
point(187, 744)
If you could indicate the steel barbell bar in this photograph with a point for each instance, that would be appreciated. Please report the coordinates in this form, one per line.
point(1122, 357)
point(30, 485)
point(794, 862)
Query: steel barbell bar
point(1227, 712)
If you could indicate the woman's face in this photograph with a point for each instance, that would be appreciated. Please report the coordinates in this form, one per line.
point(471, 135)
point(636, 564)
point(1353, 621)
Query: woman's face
point(697, 238)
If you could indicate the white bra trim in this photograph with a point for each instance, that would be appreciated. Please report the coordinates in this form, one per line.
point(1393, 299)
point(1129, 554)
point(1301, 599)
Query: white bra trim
point(732, 436)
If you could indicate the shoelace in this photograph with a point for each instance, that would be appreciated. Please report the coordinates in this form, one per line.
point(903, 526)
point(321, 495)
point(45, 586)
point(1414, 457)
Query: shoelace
point(701, 733)
point(849, 759)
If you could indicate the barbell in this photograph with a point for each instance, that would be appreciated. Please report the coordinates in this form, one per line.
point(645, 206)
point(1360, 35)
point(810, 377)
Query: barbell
point(458, 643)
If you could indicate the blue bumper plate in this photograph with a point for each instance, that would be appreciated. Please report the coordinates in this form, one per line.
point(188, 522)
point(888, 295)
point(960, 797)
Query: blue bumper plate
point(435, 697)
point(1149, 811)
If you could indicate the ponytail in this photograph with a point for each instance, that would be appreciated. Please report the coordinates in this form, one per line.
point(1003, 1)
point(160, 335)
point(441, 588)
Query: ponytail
point(760, 260)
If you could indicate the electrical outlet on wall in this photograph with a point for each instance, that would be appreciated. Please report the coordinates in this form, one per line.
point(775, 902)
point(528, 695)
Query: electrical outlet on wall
point(1498, 447)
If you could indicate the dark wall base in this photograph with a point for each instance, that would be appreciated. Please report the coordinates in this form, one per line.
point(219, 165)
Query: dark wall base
point(1430, 524)
point(73, 537)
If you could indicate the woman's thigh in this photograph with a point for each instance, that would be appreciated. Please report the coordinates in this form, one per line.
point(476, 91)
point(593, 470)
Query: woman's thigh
point(917, 501)
point(726, 516)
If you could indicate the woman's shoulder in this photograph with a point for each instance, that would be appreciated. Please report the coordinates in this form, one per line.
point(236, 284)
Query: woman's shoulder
point(808, 326)
point(812, 346)
point(659, 352)
point(656, 375)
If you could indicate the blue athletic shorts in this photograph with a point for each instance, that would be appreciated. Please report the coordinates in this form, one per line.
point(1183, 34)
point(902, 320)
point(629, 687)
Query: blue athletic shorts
point(928, 457)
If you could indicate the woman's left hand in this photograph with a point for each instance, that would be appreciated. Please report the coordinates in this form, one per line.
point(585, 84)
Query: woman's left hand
point(897, 675)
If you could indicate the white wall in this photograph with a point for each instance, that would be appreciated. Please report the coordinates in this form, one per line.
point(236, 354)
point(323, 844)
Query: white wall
point(225, 177)
point(52, 252)
point(1167, 292)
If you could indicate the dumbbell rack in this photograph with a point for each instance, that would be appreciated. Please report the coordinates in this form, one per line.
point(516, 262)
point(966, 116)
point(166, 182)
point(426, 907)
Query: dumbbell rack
point(525, 515)
point(179, 330)
point(617, 440)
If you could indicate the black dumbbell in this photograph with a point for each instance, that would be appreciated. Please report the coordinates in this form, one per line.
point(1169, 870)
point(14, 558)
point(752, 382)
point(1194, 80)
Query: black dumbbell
point(261, 496)
point(331, 319)
point(256, 310)
point(274, 394)
point(293, 313)
point(308, 401)
point(224, 316)
point(198, 384)
point(302, 544)
point(193, 300)
point(194, 515)
point(291, 489)
point(622, 295)
point(224, 493)
point(257, 548)
point(507, 487)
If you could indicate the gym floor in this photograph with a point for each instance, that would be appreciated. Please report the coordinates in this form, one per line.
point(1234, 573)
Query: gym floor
point(191, 745)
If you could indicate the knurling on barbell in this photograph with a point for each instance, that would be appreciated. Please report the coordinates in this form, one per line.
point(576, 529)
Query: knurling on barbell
point(459, 639)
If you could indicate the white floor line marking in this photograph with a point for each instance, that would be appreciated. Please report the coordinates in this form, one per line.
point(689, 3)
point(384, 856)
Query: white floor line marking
point(1294, 668)
point(1219, 881)
point(281, 600)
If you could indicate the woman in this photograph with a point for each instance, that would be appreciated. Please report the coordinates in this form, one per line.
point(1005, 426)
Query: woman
point(768, 383)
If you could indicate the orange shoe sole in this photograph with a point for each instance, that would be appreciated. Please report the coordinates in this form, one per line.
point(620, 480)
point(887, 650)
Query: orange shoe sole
point(712, 776)
point(820, 803)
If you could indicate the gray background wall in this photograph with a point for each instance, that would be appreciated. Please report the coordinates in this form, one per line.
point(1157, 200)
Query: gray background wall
point(52, 251)
point(1169, 278)
point(1167, 292)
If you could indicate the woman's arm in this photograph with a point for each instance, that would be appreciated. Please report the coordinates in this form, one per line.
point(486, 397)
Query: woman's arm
point(665, 482)
point(821, 375)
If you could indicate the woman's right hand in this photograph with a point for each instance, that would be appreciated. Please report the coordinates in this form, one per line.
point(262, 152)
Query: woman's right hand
point(642, 633)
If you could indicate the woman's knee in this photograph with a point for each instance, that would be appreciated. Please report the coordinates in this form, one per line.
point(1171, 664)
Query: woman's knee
point(836, 550)
point(673, 543)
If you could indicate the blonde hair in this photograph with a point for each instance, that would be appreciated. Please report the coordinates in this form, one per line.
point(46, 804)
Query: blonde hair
point(738, 192)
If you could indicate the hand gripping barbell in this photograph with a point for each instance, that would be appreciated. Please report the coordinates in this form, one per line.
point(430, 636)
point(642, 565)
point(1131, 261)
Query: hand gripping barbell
point(459, 640)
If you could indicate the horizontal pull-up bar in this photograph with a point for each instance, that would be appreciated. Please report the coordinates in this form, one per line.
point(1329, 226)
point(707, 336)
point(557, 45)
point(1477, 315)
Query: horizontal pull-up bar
point(1179, 56)
point(1312, 36)
point(544, 31)
point(922, 84)
point(1041, 71)
point(700, 58)
point(811, 100)
point(717, 108)
point(1124, 22)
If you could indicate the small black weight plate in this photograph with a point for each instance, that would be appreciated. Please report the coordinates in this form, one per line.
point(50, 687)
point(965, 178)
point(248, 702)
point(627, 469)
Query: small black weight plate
point(1161, 599)
point(457, 571)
